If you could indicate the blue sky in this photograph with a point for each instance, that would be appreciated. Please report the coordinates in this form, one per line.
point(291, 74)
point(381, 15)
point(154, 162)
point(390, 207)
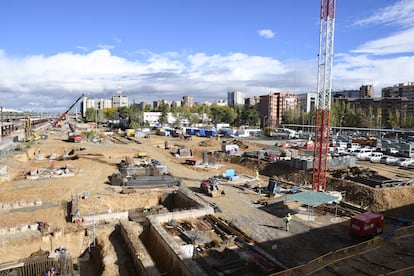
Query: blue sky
point(53, 51)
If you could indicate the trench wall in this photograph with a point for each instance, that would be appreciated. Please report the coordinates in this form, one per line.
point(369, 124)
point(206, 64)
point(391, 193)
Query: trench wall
point(143, 262)
point(110, 217)
point(182, 199)
point(166, 251)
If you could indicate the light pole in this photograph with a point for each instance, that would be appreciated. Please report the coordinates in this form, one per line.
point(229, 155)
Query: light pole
point(340, 124)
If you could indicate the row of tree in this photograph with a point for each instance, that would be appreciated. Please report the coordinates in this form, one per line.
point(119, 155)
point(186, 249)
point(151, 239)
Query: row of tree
point(342, 115)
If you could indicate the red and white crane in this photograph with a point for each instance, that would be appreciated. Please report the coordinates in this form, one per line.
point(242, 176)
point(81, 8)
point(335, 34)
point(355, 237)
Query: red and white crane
point(324, 88)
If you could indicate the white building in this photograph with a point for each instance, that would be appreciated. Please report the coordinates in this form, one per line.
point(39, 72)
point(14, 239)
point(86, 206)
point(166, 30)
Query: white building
point(308, 101)
point(235, 98)
point(119, 100)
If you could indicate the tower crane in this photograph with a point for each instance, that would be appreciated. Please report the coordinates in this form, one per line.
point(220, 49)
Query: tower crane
point(324, 88)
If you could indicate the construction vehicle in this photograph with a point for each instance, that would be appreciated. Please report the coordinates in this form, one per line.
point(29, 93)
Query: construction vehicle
point(74, 135)
point(63, 115)
point(211, 187)
point(370, 141)
point(141, 154)
point(366, 224)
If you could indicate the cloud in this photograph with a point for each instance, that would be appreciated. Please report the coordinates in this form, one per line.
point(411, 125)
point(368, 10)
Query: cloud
point(117, 40)
point(266, 33)
point(399, 13)
point(52, 83)
point(402, 42)
point(105, 46)
point(349, 70)
point(83, 48)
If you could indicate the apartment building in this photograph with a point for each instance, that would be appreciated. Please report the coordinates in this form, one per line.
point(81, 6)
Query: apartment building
point(273, 105)
point(401, 90)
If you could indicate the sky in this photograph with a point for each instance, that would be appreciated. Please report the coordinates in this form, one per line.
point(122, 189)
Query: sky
point(51, 52)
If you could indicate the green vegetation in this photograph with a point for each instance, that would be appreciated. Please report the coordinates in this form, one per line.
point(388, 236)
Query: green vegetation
point(342, 115)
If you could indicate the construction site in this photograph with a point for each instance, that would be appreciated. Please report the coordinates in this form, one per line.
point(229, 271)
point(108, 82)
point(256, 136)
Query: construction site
point(85, 199)
point(100, 208)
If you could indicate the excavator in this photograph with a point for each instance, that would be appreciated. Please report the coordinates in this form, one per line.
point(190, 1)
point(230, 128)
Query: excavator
point(63, 115)
point(74, 136)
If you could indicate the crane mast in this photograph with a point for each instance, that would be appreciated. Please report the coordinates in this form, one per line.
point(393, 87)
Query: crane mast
point(324, 87)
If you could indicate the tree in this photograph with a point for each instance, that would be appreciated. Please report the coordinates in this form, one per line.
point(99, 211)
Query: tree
point(124, 112)
point(90, 114)
point(147, 108)
point(250, 115)
point(222, 114)
point(164, 114)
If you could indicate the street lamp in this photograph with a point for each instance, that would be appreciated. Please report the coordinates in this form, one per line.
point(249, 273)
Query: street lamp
point(340, 124)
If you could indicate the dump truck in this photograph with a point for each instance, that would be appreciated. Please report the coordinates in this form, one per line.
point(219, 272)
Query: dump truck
point(366, 224)
point(210, 187)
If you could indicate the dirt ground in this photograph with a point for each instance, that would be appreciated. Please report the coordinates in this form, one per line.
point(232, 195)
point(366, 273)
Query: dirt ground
point(94, 162)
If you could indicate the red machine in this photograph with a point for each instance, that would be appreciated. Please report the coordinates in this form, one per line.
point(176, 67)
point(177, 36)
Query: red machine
point(210, 187)
point(366, 224)
point(62, 116)
point(74, 136)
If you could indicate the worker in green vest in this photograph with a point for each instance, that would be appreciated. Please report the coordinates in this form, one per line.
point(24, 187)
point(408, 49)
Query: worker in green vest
point(287, 220)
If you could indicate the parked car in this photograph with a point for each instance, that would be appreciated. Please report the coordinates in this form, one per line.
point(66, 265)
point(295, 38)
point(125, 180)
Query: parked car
point(403, 161)
point(375, 157)
point(389, 160)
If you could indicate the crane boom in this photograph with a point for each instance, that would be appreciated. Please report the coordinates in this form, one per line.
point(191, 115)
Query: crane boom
point(324, 88)
point(64, 113)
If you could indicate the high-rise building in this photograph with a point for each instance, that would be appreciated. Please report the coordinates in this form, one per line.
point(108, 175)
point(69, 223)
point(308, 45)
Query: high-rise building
point(401, 90)
point(273, 105)
point(188, 101)
point(366, 91)
point(235, 98)
point(252, 100)
point(119, 100)
point(307, 101)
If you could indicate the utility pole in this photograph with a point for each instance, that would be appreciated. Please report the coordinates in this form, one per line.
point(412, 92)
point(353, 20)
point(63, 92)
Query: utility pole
point(324, 88)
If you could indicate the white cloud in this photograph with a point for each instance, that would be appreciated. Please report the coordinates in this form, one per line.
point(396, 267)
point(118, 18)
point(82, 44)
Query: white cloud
point(83, 48)
point(52, 83)
point(399, 13)
point(349, 70)
point(105, 46)
point(402, 42)
point(117, 40)
point(266, 33)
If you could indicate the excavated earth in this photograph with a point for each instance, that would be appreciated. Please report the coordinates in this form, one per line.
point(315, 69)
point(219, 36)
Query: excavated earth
point(94, 163)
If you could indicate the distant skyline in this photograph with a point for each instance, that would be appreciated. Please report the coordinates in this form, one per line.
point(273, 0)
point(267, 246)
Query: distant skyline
point(53, 51)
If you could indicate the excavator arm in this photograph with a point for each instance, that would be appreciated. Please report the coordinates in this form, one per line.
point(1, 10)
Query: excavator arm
point(66, 112)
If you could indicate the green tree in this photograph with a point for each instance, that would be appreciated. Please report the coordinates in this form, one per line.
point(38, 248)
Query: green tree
point(124, 112)
point(250, 115)
point(222, 114)
point(90, 114)
point(164, 114)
